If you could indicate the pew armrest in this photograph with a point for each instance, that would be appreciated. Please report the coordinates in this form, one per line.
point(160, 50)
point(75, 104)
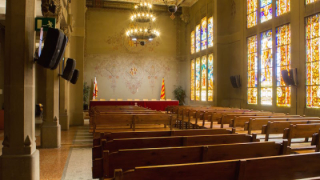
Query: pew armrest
point(286, 133)
point(263, 130)
point(246, 126)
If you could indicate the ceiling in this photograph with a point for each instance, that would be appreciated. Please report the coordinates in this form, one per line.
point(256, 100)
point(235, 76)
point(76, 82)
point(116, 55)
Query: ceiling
point(186, 3)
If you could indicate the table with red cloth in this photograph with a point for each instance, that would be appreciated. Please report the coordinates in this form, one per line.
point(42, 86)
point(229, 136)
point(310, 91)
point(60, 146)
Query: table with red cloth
point(154, 105)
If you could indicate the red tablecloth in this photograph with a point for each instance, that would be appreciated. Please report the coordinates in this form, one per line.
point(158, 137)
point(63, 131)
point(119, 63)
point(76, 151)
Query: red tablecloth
point(155, 105)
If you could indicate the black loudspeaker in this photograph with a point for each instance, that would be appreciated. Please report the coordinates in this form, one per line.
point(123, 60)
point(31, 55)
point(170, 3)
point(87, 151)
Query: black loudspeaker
point(63, 47)
point(69, 69)
point(52, 48)
point(75, 76)
point(290, 78)
point(235, 81)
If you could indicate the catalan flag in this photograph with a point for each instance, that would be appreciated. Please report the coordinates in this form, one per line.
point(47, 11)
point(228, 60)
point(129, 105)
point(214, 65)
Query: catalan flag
point(163, 93)
point(95, 88)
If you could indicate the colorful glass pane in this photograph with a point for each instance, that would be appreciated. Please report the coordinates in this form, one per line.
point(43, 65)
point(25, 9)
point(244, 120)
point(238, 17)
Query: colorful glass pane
point(282, 7)
point(311, 1)
point(312, 62)
point(266, 68)
point(283, 41)
point(210, 77)
point(252, 70)
point(192, 80)
point(198, 79)
point(198, 38)
point(204, 33)
point(265, 10)
point(204, 78)
point(192, 42)
point(210, 32)
point(252, 6)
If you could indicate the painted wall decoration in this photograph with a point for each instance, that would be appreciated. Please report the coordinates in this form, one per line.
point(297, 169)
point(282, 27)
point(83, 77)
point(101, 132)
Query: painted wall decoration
point(282, 7)
point(198, 79)
point(204, 33)
point(210, 32)
point(252, 6)
point(283, 55)
point(265, 10)
point(313, 61)
point(210, 77)
point(266, 68)
point(252, 91)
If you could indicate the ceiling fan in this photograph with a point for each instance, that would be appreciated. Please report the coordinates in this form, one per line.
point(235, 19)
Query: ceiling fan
point(173, 7)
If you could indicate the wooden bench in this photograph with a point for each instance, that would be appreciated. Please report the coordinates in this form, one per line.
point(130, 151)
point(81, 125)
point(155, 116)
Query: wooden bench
point(286, 167)
point(175, 141)
point(256, 124)
point(300, 131)
point(129, 159)
point(240, 121)
point(108, 136)
point(104, 120)
point(277, 127)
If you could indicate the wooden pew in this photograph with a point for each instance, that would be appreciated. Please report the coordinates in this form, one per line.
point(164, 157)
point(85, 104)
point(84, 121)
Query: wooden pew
point(300, 131)
point(239, 121)
point(256, 124)
point(316, 140)
point(286, 167)
point(139, 134)
point(129, 159)
point(104, 120)
point(277, 127)
point(156, 142)
point(226, 119)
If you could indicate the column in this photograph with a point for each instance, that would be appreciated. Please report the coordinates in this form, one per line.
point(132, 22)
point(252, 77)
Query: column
point(20, 159)
point(64, 97)
point(50, 129)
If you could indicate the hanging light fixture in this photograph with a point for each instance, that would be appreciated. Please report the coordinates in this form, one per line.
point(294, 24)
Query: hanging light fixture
point(142, 19)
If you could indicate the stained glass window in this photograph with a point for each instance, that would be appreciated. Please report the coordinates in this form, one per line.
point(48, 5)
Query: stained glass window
point(313, 70)
point(204, 33)
point(252, 70)
point(265, 10)
point(210, 77)
point(252, 6)
point(266, 68)
point(192, 80)
point(198, 38)
point(282, 7)
point(204, 78)
point(198, 79)
point(210, 32)
point(311, 1)
point(283, 41)
point(192, 42)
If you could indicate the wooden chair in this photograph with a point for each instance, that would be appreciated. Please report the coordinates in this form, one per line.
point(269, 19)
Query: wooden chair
point(129, 99)
point(137, 99)
point(102, 99)
point(162, 100)
point(153, 99)
point(145, 99)
point(168, 99)
point(119, 99)
point(112, 99)
point(300, 131)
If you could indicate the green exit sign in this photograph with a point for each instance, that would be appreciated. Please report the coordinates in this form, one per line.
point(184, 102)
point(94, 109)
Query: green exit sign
point(44, 22)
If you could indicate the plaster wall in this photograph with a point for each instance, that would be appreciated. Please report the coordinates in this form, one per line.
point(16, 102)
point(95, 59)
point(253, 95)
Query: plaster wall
point(124, 69)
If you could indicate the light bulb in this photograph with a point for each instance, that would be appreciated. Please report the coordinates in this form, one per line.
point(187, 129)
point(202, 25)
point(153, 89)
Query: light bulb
point(142, 14)
point(145, 4)
point(135, 30)
point(140, 29)
point(131, 30)
point(139, 14)
point(145, 30)
point(135, 6)
point(147, 15)
point(135, 16)
point(153, 19)
point(151, 15)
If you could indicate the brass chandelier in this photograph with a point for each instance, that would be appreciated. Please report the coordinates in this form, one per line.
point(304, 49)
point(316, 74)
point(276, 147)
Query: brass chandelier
point(142, 19)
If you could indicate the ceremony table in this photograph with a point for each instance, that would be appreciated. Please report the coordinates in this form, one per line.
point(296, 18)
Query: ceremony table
point(154, 105)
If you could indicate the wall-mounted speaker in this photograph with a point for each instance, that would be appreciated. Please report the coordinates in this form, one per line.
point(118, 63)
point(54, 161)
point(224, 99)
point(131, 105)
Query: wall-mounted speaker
point(53, 49)
point(69, 69)
point(290, 77)
point(235, 81)
point(75, 76)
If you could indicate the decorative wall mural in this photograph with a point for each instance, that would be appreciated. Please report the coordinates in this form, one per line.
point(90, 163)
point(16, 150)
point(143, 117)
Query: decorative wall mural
point(133, 75)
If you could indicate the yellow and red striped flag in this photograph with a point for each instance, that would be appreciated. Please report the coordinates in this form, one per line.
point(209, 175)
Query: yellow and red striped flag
point(95, 88)
point(163, 93)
